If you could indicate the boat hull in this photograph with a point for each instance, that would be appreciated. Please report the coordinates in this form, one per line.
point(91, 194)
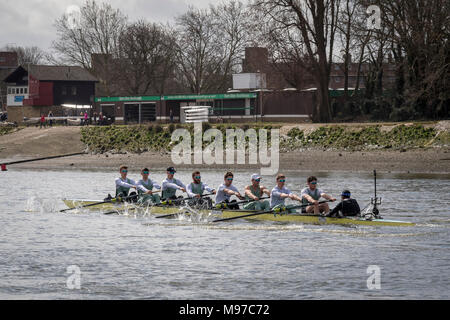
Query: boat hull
point(312, 219)
point(296, 218)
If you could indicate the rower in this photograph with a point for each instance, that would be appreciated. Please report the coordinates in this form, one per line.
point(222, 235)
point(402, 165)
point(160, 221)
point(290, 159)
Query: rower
point(348, 207)
point(311, 196)
point(254, 192)
point(280, 193)
point(124, 184)
point(170, 185)
point(145, 189)
point(226, 190)
point(195, 191)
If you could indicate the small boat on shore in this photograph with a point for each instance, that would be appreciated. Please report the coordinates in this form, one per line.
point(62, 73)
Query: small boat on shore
point(172, 211)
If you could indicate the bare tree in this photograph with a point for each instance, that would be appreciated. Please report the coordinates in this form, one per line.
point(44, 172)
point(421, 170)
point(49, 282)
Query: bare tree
point(312, 24)
point(145, 57)
point(417, 34)
point(98, 31)
point(232, 22)
point(211, 43)
point(29, 55)
point(349, 37)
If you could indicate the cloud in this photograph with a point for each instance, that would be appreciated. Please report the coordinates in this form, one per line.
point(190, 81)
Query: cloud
point(31, 22)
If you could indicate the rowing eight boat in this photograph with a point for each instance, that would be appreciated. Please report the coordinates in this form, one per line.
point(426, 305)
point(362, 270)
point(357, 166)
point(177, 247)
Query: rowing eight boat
point(296, 217)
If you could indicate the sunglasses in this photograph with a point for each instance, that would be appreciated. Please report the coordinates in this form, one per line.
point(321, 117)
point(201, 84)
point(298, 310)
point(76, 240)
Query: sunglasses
point(145, 172)
point(171, 172)
point(282, 180)
point(197, 177)
point(230, 179)
point(258, 180)
point(124, 171)
point(315, 182)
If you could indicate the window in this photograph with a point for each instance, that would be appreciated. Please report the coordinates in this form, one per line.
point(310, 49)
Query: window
point(74, 91)
point(63, 91)
point(13, 90)
point(2, 59)
point(9, 91)
point(25, 90)
point(21, 90)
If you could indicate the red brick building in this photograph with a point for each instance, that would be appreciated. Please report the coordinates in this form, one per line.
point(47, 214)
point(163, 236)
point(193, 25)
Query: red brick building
point(35, 89)
point(280, 76)
point(8, 63)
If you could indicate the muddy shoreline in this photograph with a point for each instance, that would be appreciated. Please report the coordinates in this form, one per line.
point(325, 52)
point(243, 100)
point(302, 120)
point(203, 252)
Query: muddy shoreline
point(414, 161)
point(29, 143)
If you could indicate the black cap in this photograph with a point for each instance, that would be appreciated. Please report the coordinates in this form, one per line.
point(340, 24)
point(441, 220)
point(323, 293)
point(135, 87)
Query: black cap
point(171, 169)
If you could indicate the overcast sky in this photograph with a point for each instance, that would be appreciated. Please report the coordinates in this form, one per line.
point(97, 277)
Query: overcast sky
point(30, 22)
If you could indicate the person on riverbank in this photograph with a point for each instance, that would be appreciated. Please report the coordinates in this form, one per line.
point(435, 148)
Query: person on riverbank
point(42, 122)
point(196, 189)
point(50, 118)
point(86, 118)
point(226, 190)
point(255, 191)
point(124, 184)
point(348, 207)
point(145, 189)
point(170, 185)
point(280, 193)
point(311, 195)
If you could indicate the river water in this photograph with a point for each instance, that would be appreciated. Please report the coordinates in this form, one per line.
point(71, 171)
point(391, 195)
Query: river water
point(136, 257)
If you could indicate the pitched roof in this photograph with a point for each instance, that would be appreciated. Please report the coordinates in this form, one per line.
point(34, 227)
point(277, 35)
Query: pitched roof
point(60, 73)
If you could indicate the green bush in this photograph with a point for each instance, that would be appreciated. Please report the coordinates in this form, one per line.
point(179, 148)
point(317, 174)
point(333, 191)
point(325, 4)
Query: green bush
point(158, 128)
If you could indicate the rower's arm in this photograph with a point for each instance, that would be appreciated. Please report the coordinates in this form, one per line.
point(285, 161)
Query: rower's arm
point(229, 191)
point(308, 197)
point(181, 185)
point(121, 183)
point(142, 188)
point(167, 185)
point(205, 187)
point(189, 191)
point(155, 185)
point(265, 190)
point(328, 197)
point(293, 196)
point(249, 193)
point(235, 193)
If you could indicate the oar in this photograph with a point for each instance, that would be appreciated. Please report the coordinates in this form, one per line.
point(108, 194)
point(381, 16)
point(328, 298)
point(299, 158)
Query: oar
point(269, 211)
point(224, 205)
point(170, 201)
point(3, 165)
point(97, 203)
point(118, 211)
point(174, 214)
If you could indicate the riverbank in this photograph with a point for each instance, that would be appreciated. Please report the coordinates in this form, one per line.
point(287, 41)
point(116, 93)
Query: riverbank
point(418, 161)
point(412, 149)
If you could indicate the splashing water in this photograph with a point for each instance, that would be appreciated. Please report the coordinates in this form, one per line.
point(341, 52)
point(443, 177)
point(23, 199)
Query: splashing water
point(38, 205)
